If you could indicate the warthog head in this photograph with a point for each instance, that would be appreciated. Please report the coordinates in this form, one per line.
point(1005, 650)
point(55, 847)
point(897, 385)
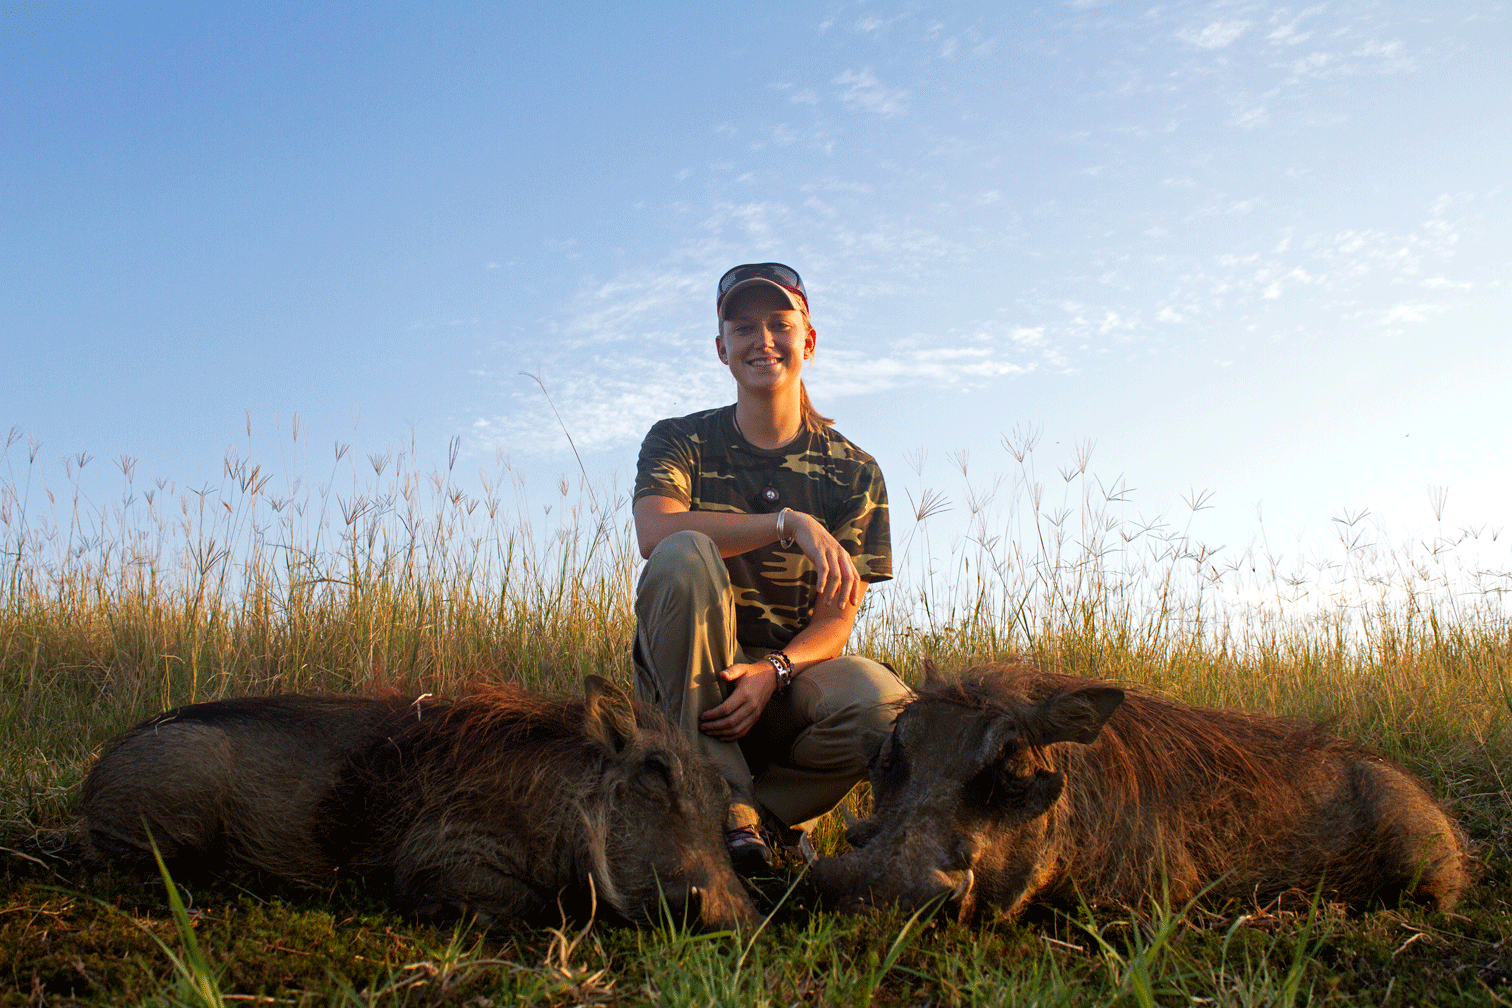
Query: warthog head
point(960, 792)
point(555, 803)
point(663, 811)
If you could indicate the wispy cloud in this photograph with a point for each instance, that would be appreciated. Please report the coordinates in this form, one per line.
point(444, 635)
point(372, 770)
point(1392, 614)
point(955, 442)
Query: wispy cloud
point(627, 351)
point(863, 92)
point(1036, 261)
point(1215, 35)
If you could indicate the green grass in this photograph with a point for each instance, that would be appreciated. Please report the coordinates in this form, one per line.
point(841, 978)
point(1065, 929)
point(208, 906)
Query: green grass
point(111, 611)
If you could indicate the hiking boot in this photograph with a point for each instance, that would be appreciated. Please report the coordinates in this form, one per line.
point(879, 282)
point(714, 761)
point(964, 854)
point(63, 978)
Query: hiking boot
point(749, 852)
point(795, 839)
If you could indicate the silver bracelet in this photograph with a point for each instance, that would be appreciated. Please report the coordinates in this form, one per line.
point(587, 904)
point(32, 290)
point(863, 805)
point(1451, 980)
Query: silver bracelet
point(782, 534)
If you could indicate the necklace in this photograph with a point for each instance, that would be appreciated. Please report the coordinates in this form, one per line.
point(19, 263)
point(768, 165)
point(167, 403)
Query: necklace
point(770, 494)
point(736, 421)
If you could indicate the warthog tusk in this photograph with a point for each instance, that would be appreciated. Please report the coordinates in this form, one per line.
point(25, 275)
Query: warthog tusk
point(964, 886)
point(806, 848)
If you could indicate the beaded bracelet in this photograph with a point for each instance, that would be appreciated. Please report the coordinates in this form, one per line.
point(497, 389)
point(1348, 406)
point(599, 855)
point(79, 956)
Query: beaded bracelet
point(784, 667)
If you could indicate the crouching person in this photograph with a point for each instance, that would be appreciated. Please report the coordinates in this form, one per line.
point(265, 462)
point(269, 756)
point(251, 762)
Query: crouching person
point(762, 527)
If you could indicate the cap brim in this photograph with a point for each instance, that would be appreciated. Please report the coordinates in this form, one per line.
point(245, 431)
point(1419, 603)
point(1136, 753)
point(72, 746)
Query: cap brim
point(793, 299)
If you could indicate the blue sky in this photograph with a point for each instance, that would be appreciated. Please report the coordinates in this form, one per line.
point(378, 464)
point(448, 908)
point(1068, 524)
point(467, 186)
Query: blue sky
point(1251, 249)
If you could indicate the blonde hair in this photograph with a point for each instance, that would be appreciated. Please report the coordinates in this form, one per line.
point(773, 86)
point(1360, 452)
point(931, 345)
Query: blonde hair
point(812, 418)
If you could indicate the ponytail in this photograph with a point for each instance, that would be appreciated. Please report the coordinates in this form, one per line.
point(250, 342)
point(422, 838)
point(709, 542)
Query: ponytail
point(812, 418)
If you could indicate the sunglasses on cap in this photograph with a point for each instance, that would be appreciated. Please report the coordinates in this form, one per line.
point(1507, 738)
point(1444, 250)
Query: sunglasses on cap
point(784, 278)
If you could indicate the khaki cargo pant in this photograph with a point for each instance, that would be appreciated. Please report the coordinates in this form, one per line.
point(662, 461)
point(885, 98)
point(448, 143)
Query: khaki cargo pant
point(811, 743)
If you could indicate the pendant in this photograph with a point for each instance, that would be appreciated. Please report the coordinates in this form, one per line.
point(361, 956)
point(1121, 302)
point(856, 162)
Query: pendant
point(770, 493)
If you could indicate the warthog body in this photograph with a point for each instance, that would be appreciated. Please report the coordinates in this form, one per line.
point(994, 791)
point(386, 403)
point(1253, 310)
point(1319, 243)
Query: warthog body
point(1015, 785)
point(499, 804)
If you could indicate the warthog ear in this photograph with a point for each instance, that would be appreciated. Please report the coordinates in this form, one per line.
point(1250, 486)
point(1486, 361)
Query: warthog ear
point(1077, 716)
point(608, 715)
point(932, 675)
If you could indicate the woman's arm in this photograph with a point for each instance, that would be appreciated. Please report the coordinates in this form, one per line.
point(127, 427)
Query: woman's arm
point(838, 582)
point(824, 638)
point(826, 635)
point(658, 517)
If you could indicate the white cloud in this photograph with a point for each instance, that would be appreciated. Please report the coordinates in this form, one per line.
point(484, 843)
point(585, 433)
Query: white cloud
point(1216, 35)
point(900, 366)
point(1416, 311)
point(1113, 322)
point(1287, 31)
point(1313, 64)
point(863, 92)
point(635, 348)
point(1202, 263)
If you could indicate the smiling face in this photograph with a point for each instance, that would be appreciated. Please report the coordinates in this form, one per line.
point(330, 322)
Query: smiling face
point(763, 339)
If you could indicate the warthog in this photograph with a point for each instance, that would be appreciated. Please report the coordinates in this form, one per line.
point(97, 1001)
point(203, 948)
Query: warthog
point(500, 803)
point(1015, 785)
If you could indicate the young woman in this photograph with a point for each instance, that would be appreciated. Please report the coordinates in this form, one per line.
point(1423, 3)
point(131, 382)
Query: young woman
point(763, 527)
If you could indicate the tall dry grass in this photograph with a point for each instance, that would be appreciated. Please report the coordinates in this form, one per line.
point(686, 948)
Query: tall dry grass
point(346, 571)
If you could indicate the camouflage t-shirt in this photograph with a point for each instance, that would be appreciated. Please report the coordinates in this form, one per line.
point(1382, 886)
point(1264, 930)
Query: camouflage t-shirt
point(701, 461)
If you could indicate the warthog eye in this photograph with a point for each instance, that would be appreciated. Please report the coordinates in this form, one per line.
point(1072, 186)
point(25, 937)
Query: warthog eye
point(655, 774)
point(995, 786)
point(999, 790)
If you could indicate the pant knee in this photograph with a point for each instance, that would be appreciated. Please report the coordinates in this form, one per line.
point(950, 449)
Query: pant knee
point(854, 704)
point(686, 564)
point(679, 547)
point(864, 692)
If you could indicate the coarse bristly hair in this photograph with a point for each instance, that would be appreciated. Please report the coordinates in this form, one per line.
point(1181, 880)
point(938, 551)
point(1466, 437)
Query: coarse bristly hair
point(1258, 805)
point(495, 805)
point(497, 754)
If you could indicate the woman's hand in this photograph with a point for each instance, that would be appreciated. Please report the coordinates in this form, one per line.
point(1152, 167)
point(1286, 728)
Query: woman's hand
point(839, 584)
point(754, 686)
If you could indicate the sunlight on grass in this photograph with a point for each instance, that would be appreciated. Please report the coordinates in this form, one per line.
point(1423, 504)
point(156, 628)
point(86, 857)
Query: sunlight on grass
point(351, 573)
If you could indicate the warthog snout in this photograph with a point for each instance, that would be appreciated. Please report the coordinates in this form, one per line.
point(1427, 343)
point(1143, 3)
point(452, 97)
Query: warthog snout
point(717, 908)
point(902, 868)
point(714, 903)
point(849, 889)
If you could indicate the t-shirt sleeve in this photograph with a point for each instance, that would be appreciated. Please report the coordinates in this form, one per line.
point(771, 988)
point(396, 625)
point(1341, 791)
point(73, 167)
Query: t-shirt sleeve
point(666, 464)
point(862, 527)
